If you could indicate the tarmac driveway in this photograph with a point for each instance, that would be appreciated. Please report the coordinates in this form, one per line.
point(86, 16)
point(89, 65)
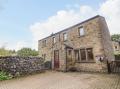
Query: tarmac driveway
point(60, 80)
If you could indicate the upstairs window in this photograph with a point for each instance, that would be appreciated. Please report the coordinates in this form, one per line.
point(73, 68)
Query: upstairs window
point(45, 43)
point(54, 40)
point(42, 43)
point(116, 47)
point(64, 36)
point(81, 31)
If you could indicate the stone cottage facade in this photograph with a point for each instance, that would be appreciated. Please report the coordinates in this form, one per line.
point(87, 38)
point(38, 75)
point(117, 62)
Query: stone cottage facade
point(85, 46)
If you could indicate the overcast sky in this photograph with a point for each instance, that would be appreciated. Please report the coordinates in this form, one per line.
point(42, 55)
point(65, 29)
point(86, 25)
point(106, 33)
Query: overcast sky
point(24, 22)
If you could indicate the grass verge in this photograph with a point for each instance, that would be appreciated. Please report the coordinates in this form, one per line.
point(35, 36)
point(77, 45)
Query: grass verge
point(4, 76)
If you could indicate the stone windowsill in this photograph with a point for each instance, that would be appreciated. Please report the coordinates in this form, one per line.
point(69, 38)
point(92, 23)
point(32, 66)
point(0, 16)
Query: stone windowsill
point(85, 62)
point(81, 36)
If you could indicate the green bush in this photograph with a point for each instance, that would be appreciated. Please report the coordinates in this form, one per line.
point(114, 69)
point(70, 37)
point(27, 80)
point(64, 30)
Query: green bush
point(6, 52)
point(115, 37)
point(27, 52)
point(4, 76)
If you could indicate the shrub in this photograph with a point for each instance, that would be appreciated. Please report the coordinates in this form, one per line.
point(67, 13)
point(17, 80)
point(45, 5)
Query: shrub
point(115, 37)
point(4, 76)
point(117, 56)
point(5, 52)
point(26, 52)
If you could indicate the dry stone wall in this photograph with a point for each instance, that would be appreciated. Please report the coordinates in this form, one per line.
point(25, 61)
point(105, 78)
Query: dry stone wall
point(19, 66)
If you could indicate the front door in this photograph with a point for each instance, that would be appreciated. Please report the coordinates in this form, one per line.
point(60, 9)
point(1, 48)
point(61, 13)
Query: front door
point(56, 59)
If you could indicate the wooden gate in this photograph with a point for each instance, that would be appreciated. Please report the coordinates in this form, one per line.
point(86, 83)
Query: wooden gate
point(114, 67)
point(56, 59)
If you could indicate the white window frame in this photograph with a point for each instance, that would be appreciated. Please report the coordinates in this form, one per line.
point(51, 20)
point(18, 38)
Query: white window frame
point(45, 43)
point(54, 40)
point(81, 31)
point(65, 36)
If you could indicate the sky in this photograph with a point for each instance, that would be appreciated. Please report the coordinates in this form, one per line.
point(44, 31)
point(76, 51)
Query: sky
point(24, 22)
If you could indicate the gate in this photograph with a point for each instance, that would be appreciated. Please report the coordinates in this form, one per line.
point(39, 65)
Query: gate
point(114, 67)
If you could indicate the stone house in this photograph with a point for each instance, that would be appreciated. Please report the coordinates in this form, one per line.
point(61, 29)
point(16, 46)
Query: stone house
point(85, 46)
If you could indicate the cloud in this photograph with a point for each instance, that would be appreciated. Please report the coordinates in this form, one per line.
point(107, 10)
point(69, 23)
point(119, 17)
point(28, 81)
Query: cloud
point(60, 21)
point(3, 44)
point(17, 45)
point(21, 44)
point(111, 11)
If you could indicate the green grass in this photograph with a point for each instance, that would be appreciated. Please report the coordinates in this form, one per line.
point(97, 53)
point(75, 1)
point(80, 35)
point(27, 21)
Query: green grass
point(4, 76)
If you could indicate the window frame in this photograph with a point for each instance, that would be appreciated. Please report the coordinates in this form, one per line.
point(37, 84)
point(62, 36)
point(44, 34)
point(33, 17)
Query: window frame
point(87, 60)
point(65, 36)
point(91, 54)
point(53, 40)
point(82, 55)
point(81, 33)
point(78, 55)
point(42, 43)
point(45, 43)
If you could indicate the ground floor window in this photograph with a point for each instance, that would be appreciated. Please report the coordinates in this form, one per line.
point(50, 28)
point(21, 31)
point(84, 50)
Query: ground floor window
point(77, 57)
point(90, 54)
point(84, 55)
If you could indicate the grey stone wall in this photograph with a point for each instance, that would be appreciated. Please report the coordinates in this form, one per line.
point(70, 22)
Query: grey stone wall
point(106, 40)
point(92, 67)
point(19, 66)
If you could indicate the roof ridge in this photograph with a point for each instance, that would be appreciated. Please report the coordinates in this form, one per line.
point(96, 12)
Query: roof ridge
point(72, 26)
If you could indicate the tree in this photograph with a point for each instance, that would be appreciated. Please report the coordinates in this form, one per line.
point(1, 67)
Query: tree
point(115, 37)
point(27, 52)
point(5, 52)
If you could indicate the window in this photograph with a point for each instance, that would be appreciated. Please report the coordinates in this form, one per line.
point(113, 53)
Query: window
point(77, 55)
point(65, 36)
point(81, 31)
point(83, 54)
point(45, 42)
point(54, 40)
point(42, 43)
point(89, 53)
point(44, 56)
point(59, 37)
point(69, 56)
point(116, 47)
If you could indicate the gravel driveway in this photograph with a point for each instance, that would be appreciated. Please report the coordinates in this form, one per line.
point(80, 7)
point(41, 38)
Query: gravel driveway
point(60, 80)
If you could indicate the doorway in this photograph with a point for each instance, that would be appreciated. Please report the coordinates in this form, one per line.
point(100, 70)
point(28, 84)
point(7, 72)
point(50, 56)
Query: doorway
point(56, 59)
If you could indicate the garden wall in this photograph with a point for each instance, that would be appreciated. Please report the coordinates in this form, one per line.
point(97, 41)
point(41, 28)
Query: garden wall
point(18, 66)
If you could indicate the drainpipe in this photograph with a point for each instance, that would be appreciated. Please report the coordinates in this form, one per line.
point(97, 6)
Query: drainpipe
point(66, 57)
